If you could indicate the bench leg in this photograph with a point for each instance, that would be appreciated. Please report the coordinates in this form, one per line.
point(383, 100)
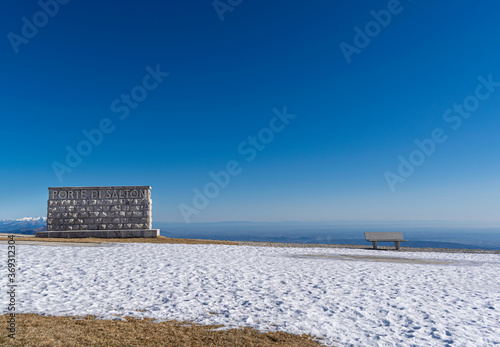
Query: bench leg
point(374, 243)
point(397, 243)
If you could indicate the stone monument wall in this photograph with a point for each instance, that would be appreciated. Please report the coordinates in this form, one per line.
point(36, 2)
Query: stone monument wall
point(99, 208)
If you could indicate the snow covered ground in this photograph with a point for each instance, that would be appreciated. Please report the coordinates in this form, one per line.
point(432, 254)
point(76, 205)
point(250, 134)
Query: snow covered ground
point(438, 300)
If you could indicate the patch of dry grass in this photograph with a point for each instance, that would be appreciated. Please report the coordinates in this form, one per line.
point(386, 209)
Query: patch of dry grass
point(159, 239)
point(37, 330)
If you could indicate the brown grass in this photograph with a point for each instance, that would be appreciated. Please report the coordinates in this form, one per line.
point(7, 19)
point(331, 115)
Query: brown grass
point(37, 330)
point(160, 239)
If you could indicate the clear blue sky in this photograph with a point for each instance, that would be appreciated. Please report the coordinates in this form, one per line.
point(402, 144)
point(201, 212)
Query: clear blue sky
point(356, 113)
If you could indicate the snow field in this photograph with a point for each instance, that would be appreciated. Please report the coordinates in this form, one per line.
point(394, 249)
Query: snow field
point(343, 301)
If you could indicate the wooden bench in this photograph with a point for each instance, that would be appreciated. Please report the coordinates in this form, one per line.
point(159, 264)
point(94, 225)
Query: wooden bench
point(384, 236)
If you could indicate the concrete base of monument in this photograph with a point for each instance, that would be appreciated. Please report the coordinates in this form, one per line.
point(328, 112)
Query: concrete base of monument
point(106, 234)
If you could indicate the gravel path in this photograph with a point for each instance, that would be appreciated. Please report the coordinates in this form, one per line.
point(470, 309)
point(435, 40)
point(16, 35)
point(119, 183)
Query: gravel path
point(368, 247)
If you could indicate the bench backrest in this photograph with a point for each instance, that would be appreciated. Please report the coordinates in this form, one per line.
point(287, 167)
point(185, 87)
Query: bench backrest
point(384, 236)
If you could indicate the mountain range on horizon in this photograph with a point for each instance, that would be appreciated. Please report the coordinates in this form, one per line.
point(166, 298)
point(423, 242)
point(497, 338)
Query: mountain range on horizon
point(419, 233)
point(28, 219)
point(26, 225)
point(32, 223)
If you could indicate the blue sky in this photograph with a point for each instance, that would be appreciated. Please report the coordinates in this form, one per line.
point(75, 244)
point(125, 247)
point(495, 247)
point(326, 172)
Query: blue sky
point(338, 158)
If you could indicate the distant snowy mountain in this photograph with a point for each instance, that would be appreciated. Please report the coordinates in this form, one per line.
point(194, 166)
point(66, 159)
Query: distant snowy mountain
point(26, 225)
point(25, 219)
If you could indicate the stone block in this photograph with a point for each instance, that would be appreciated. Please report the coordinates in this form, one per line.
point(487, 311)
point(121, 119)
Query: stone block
point(116, 209)
point(100, 233)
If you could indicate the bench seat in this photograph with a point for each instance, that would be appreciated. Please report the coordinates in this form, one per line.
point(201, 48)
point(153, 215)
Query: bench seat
point(384, 236)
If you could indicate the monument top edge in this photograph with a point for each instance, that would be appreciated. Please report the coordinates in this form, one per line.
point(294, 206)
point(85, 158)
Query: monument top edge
point(103, 187)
